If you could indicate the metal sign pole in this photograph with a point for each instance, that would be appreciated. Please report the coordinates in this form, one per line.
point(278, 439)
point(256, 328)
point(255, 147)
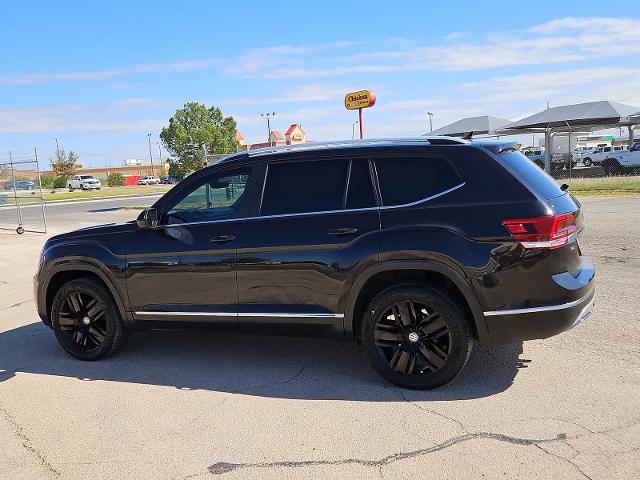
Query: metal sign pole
point(44, 214)
point(360, 120)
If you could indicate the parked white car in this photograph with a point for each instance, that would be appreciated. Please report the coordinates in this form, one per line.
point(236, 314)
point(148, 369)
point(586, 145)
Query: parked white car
point(149, 180)
point(622, 160)
point(536, 156)
point(600, 154)
point(84, 182)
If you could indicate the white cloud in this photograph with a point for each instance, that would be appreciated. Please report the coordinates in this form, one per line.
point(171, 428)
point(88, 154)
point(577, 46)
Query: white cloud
point(44, 77)
point(115, 116)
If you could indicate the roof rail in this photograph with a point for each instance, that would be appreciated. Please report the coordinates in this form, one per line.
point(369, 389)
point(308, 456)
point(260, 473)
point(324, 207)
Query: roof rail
point(356, 143)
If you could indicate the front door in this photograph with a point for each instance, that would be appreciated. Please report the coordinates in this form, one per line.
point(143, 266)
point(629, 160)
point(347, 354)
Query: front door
point(185, 268)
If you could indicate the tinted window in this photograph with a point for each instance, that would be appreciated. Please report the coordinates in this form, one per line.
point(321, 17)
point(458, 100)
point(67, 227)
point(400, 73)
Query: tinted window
point(301, 187)
point(408, 180)
point(531, 174)
point(360, 190)
point(216, 197)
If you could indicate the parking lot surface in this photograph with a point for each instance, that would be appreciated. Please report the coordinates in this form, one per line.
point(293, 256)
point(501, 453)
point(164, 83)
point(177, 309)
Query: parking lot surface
point(186, 404)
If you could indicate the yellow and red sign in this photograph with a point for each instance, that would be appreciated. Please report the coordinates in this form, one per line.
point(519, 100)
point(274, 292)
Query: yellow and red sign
point(358, 100)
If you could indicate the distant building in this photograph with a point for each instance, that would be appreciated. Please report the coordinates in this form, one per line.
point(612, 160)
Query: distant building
point(293, 135)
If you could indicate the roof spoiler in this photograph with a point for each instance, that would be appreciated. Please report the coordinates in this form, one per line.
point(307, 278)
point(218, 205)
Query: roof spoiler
point(498, 147)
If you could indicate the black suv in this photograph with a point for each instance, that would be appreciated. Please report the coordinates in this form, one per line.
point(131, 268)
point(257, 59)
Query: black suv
point(415, 247)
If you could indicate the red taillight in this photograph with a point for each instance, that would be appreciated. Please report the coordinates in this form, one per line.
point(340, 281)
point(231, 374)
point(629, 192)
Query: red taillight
point(553, 231)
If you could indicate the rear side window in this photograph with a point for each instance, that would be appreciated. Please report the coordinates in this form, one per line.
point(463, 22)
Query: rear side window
point(360, 189)
point(407, 180)
point(303, 187)
point(531, 174)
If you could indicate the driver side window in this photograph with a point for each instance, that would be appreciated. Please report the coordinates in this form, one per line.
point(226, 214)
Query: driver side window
point(220, 196)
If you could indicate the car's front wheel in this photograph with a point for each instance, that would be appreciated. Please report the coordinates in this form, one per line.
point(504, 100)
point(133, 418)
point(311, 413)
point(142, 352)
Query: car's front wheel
point(587, 162)
point(86, 321)
point(416, 337)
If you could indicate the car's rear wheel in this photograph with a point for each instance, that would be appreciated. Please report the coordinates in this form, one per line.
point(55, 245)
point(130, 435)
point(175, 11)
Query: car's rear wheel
point(70, 188)
point(416, 337)
point(86, 321)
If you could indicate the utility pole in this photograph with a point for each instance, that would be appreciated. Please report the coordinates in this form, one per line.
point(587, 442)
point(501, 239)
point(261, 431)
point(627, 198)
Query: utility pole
point(353, 129)
point(269, 116)
point(159, 154)
point(150, 156)
point(204, 155)
point(430, 121)
point(57, 148)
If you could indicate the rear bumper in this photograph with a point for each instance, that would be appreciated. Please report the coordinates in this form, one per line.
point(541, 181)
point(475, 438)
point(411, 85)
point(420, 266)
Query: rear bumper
point(515, 325)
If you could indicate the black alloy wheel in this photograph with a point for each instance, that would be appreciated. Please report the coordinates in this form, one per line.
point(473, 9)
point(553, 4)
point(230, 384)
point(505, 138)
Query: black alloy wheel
point(416, 336)
point(86, 321)
point(412, 337)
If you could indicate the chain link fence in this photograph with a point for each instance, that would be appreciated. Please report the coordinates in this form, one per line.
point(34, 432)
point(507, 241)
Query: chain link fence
point(22, 205)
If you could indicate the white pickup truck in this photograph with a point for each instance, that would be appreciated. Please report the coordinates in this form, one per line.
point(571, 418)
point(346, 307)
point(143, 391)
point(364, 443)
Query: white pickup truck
point(600, 154)
point(149, 180)
point(83, 182)
point(622, 161)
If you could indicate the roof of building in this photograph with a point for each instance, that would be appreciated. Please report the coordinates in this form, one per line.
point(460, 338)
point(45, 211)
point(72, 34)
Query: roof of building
point(478, 125)
point(292, 128)
point(277, 134)
point(589, 114)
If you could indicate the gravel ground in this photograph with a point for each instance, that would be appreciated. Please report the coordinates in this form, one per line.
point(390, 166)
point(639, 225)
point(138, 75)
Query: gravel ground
point(200, 405)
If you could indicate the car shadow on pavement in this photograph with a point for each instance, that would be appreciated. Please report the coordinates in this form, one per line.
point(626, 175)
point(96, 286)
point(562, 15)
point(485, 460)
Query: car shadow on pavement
point(269, 366)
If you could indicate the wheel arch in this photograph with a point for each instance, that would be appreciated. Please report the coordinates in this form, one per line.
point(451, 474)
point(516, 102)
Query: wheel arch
point(384, 275)
point(63, 273)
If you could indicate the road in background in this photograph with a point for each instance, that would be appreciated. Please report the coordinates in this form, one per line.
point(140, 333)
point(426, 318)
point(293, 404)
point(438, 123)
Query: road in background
point(73, 212)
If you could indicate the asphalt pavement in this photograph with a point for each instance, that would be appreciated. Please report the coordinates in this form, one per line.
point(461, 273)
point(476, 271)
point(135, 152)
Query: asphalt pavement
point(181, 404)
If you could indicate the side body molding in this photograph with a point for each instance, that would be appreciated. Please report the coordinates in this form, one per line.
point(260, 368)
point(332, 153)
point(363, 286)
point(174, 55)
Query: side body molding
point(426, 265)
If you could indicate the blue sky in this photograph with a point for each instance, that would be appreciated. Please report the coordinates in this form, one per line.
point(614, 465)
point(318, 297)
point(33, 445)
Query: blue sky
point(99, 76)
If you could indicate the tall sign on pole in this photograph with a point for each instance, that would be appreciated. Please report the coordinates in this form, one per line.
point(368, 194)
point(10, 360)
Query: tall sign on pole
point(358, 101)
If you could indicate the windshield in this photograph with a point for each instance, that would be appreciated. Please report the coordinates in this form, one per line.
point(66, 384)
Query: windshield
point(87, 177)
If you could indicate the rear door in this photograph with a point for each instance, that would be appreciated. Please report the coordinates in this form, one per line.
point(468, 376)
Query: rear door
point(314, 229)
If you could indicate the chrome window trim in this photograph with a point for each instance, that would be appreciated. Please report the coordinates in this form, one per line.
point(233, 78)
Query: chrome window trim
point(240, 315)
point(546, 308)
point(418, 202)
point(346, 210)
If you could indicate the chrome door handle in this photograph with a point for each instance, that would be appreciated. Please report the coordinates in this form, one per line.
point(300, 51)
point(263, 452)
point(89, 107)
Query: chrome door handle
point(222, 239)
point(342, 231)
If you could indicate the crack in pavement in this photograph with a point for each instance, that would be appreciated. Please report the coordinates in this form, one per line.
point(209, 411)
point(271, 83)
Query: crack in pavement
point(16, 304)
point(565, 459)
point(220, 468)
point(26, 443)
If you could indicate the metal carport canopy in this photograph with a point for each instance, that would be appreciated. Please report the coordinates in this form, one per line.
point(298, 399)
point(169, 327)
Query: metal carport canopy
point(580, 117)
point(484, 124)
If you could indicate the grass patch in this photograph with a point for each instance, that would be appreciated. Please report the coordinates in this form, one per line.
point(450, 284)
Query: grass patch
point(105, 192)
point(603, 186)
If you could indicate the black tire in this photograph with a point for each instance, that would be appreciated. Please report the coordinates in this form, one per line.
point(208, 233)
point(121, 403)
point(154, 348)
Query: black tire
point(70, 188)
point(587, 162)
point(102, 335)
point(426, 350)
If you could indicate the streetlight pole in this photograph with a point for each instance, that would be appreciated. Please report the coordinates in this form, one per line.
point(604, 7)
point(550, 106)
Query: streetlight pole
point(353, 129)
point(269, 116)
point(150, 155)
point(430, 121)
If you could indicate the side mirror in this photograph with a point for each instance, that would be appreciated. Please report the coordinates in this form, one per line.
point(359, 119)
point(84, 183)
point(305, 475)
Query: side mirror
point(148, 218)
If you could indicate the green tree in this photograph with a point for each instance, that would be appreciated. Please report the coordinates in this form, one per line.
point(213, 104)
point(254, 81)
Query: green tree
point(65, 165)
point(115, 179)
point(46, 181)
point(191, 127)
